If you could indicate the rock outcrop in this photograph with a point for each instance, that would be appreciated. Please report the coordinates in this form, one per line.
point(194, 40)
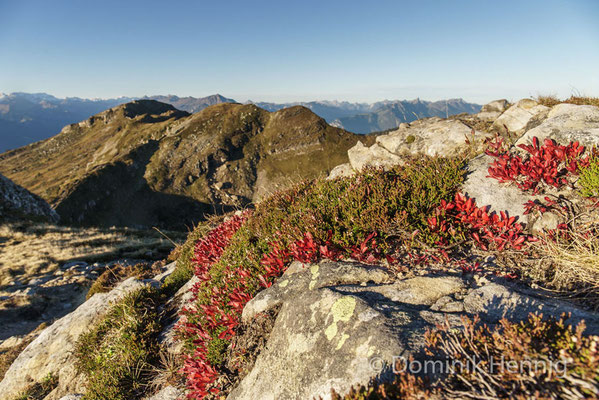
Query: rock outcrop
point(339, 324)
point(563, 123)
point(17, 203)
point(517, 117)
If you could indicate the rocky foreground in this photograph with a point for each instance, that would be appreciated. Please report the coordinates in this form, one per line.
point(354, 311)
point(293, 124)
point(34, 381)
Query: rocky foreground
point(298, 299)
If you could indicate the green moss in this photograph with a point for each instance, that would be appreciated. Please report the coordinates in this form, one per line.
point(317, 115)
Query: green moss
point(589, 179)
point(410, 139)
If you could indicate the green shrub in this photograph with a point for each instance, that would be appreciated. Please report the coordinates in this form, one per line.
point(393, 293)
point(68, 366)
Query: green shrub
point(349, 209)
point(117, 353)
point(589, 179)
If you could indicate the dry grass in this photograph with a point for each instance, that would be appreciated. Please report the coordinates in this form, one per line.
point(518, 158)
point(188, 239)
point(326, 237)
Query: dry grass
point(552, 100)
point(168, 370)
point(570, 265)
point(28, 250)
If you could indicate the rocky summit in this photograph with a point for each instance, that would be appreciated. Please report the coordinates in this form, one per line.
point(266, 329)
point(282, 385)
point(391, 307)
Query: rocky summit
point(442, 243)
point(146, 163)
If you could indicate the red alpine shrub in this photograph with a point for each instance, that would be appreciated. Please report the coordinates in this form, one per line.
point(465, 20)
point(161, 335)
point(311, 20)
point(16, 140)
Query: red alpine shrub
point(549, 163)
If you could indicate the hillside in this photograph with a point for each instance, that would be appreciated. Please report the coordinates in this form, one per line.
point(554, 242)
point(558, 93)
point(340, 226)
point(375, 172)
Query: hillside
point(29, 117)
point(146, 163)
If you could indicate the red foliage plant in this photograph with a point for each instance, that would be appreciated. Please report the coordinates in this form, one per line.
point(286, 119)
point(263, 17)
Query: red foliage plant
point(483, 227)
point(549, 163)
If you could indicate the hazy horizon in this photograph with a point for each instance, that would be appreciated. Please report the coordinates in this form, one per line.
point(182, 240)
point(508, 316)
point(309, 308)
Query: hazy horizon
point(238, 100)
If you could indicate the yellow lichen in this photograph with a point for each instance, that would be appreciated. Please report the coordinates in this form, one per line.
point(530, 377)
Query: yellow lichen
point(331, 331)
point(344, 337)
point(315, 274)
point(342, 310)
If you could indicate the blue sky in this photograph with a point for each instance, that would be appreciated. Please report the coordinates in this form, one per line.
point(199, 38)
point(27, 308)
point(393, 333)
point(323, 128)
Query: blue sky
point(304, 50)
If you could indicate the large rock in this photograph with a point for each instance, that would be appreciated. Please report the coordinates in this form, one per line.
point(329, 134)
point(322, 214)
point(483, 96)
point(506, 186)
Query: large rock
point(335, 329)
point(518, 116)
point(567, 123)
point(341, 171)
point(498, 301)
point(490, 192)
point(492, 110)
point(52, 350)
point(431, 137)
point(340, 323)
point(361, 156)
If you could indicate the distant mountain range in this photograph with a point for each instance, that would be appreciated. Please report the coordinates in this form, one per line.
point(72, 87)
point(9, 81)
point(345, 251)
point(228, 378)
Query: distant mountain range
point(29, 117)
point(146, 163)
point(383, 115)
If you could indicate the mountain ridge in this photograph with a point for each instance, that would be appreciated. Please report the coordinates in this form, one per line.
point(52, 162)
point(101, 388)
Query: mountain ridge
point(29, 117)
point(146, 163)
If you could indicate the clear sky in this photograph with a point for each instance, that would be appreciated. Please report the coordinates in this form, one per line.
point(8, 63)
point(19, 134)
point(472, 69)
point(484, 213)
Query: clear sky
point(301, 50)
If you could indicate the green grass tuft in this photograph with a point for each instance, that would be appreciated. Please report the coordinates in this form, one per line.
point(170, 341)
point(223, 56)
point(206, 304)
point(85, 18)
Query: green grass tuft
point(118, 353)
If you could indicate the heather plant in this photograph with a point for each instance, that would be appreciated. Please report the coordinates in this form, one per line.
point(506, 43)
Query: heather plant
point(346, 210)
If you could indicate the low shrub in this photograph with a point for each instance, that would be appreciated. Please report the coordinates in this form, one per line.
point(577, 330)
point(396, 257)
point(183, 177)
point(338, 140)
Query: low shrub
point(183, 255)
point(534, 359)
point(405, 387)
point(549, 164)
